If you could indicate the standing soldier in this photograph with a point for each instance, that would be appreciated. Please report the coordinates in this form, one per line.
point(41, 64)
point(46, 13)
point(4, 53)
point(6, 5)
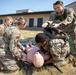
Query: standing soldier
point(66, 18)
point(10, 45)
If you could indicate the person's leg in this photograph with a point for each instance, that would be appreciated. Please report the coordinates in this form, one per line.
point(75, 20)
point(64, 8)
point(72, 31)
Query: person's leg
point(75, 39)
point(9, 64)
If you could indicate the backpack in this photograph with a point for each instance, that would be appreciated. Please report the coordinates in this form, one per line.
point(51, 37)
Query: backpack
point(55, 33)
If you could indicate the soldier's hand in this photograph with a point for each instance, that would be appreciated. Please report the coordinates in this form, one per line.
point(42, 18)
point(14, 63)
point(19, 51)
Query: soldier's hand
point(47, 23)
point(18, 57)
point(44, 25)
point(24, 57)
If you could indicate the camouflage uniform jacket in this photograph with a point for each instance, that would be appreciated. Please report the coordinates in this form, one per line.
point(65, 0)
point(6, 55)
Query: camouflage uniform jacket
point(57, 48)
point(10, 37)
point(67, 19)
point(2, 27)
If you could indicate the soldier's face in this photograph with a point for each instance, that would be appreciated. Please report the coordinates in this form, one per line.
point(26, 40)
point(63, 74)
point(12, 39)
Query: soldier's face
point(22, 26)
point(9, 22)
point(42, 44)
point(58, 8)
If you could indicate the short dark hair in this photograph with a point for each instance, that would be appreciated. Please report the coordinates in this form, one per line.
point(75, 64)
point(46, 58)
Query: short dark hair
point(40, 38)
point(58, 2)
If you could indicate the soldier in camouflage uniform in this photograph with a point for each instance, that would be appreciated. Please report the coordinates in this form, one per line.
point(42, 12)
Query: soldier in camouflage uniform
point(58, 48)
point(7, 22)
point(10, 45)
point(63, 18)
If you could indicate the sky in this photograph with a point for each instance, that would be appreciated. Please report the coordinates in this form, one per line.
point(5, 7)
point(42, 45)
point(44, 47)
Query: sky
point(10, 6)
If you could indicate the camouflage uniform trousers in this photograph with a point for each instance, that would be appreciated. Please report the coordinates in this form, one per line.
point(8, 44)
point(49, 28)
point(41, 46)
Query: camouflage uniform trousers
point(75, 39)
point(7, 62)
point(71, 31)
point(72, 36)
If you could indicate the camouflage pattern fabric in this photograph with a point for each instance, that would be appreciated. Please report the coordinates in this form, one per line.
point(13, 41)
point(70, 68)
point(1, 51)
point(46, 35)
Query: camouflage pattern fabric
point(11, 37)
point(9, 48)
point(68, 23)
point(1, 34)
point(58, 50)
point(1, 29)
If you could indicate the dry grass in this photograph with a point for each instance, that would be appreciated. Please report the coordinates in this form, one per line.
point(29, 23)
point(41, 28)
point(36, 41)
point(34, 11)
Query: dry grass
point(29, 34)
point(50, 70)
point(67, 70)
